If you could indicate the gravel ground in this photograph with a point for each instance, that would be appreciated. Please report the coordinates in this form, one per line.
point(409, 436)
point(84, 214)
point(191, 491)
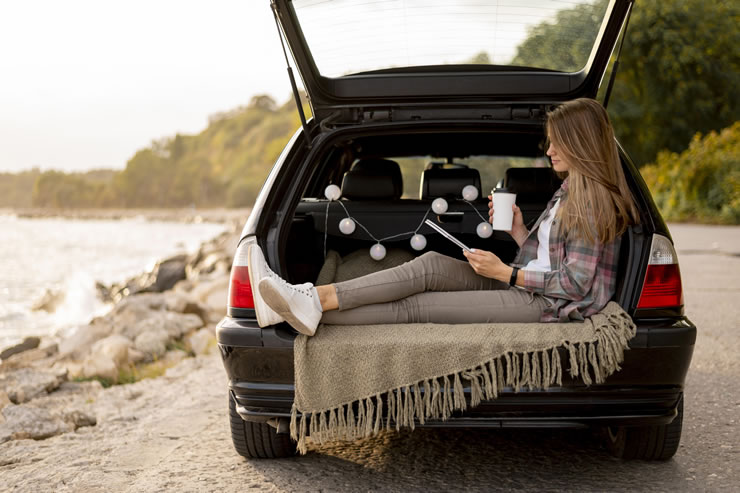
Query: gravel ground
point(171, 433)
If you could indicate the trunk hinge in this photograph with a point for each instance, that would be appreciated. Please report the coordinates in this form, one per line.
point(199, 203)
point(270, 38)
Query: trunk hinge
point(291, 77)
point(615, 67)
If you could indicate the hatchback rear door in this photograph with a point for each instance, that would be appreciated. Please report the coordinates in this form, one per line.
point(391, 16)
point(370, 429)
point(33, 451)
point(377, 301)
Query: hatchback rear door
point(364, 53)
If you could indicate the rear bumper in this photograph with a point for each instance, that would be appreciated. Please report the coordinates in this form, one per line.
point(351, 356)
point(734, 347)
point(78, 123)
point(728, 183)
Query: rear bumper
point(647, 391)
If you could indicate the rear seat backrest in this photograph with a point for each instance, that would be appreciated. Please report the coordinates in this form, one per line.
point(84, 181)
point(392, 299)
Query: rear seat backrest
point(438, 181)
point(534, 187)
point(532, 184)
point(373, 179)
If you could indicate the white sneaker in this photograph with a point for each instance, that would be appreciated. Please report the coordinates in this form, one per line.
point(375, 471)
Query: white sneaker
point(258, 270)
point(297, 303)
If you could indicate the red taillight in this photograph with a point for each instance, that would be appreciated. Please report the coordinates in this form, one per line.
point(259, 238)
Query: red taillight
point(240, 289)
point(240, 292)
point(662, 287)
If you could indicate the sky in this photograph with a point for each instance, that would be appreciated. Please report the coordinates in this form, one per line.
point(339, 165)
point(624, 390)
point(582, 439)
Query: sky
point(84, 84)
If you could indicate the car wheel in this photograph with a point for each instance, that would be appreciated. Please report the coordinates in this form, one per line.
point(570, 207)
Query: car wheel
point(258, 440)
point(645, 442)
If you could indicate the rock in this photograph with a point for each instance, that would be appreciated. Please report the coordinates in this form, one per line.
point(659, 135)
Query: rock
point(176, 302)
point(135, 356)
point(175, 324)
point(4, 401)
point(32, 357)
point(116, 347)
point(50, 301)
point(28, 343)
point(140, 302)
point(99, 365)
point(26, 421)
point(184, 286)
point(26, 383)
point(168, 272)
point(173, 357)
point(213, 293)
point(201, 341)
point(79, 418)
point(77, 346)
point(152, 342)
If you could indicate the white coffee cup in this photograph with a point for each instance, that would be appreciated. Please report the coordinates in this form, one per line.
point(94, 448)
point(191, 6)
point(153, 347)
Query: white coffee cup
point(503, 214)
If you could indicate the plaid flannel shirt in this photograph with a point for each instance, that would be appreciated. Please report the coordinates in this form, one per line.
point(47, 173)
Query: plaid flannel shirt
point(583, 275)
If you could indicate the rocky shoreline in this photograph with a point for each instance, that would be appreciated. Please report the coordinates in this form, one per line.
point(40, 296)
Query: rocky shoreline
point(159, 319)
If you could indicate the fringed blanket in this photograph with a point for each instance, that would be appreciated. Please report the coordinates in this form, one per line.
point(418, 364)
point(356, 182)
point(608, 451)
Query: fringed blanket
point(353, 381)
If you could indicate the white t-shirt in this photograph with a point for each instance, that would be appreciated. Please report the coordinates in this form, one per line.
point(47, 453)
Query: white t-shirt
point(542, 262)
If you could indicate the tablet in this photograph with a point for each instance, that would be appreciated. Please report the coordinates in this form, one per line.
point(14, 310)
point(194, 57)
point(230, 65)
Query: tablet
point(447, 235)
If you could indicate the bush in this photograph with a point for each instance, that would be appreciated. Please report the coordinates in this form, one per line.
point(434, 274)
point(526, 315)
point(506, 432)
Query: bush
point(703, 182)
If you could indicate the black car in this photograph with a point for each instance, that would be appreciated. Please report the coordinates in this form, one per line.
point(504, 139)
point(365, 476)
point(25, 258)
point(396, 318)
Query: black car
point(402, 115)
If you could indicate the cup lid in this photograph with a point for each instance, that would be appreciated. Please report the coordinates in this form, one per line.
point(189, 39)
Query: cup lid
point(502, 190)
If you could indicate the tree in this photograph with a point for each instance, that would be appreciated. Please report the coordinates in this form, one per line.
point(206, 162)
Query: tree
point(564, 45)
point(678, 74)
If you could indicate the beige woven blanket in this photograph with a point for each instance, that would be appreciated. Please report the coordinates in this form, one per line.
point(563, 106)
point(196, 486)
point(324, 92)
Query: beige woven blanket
point(352, 381)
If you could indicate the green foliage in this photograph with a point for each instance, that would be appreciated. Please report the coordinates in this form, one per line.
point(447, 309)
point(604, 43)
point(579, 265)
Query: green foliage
point(703, 182)
point(565, 44)
point(61, 190)
point(678, 74)
point(16, 189)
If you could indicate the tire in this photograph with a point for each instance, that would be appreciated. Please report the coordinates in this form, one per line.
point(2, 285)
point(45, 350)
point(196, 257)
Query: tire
point(258, 440)
point(645, 442)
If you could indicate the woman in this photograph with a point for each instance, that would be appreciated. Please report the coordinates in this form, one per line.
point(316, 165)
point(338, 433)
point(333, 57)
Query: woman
point(565, 270)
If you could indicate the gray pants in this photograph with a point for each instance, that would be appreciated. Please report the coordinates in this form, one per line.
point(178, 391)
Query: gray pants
point(432, 288)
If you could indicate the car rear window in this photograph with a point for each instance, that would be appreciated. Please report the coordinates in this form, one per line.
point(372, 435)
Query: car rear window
point(491, 168)
point(352, 36)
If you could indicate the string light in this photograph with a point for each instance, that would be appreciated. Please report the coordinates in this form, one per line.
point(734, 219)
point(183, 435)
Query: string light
point(470, 193)
point(484, 230)
point(347, 226)
point(333, 192)
point(439, 206)
point(418, 241)
point(377, 251)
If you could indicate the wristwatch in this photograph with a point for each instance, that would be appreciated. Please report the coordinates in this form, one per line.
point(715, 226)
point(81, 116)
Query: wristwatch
point(514, 272)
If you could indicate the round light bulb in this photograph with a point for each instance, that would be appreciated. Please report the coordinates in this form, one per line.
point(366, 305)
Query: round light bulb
point(347, 226)
point(332, 192)
point(377, 251)
point(484, 230)
point(439, 206)
point(470, 193)
point(418, 242)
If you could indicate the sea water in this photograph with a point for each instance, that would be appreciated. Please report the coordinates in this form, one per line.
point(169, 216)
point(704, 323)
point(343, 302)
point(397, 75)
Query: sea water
point(67, 256)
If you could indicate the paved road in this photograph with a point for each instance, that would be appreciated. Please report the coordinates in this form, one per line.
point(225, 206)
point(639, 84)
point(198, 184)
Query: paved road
point(171, 433)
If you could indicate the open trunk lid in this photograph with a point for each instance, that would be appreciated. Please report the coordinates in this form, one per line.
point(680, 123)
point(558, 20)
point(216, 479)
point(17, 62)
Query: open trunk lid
point(375, 53)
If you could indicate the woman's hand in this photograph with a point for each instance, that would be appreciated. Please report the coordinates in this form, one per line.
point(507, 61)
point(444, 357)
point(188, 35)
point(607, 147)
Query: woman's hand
point(487, 264)
point(518, 230)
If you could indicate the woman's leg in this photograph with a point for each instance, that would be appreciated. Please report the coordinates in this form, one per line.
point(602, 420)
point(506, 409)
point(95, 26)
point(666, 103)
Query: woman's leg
point(429, 272)
point(459, 307)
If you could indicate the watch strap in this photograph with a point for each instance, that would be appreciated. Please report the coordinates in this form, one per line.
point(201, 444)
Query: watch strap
point(514, 272)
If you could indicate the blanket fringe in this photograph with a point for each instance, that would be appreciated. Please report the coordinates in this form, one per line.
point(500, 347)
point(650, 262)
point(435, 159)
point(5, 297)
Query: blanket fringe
point(437, 398)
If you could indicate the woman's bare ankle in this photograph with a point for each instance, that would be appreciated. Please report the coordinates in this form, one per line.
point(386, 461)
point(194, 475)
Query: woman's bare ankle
point(328, 297)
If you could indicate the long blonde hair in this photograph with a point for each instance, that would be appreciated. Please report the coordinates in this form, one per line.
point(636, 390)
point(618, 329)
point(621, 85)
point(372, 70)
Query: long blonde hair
point(599, 205)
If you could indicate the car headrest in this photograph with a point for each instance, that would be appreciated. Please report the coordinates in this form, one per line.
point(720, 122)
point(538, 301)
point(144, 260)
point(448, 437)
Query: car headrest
point(532, 184)
point(439, 181)
point(373, 179)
